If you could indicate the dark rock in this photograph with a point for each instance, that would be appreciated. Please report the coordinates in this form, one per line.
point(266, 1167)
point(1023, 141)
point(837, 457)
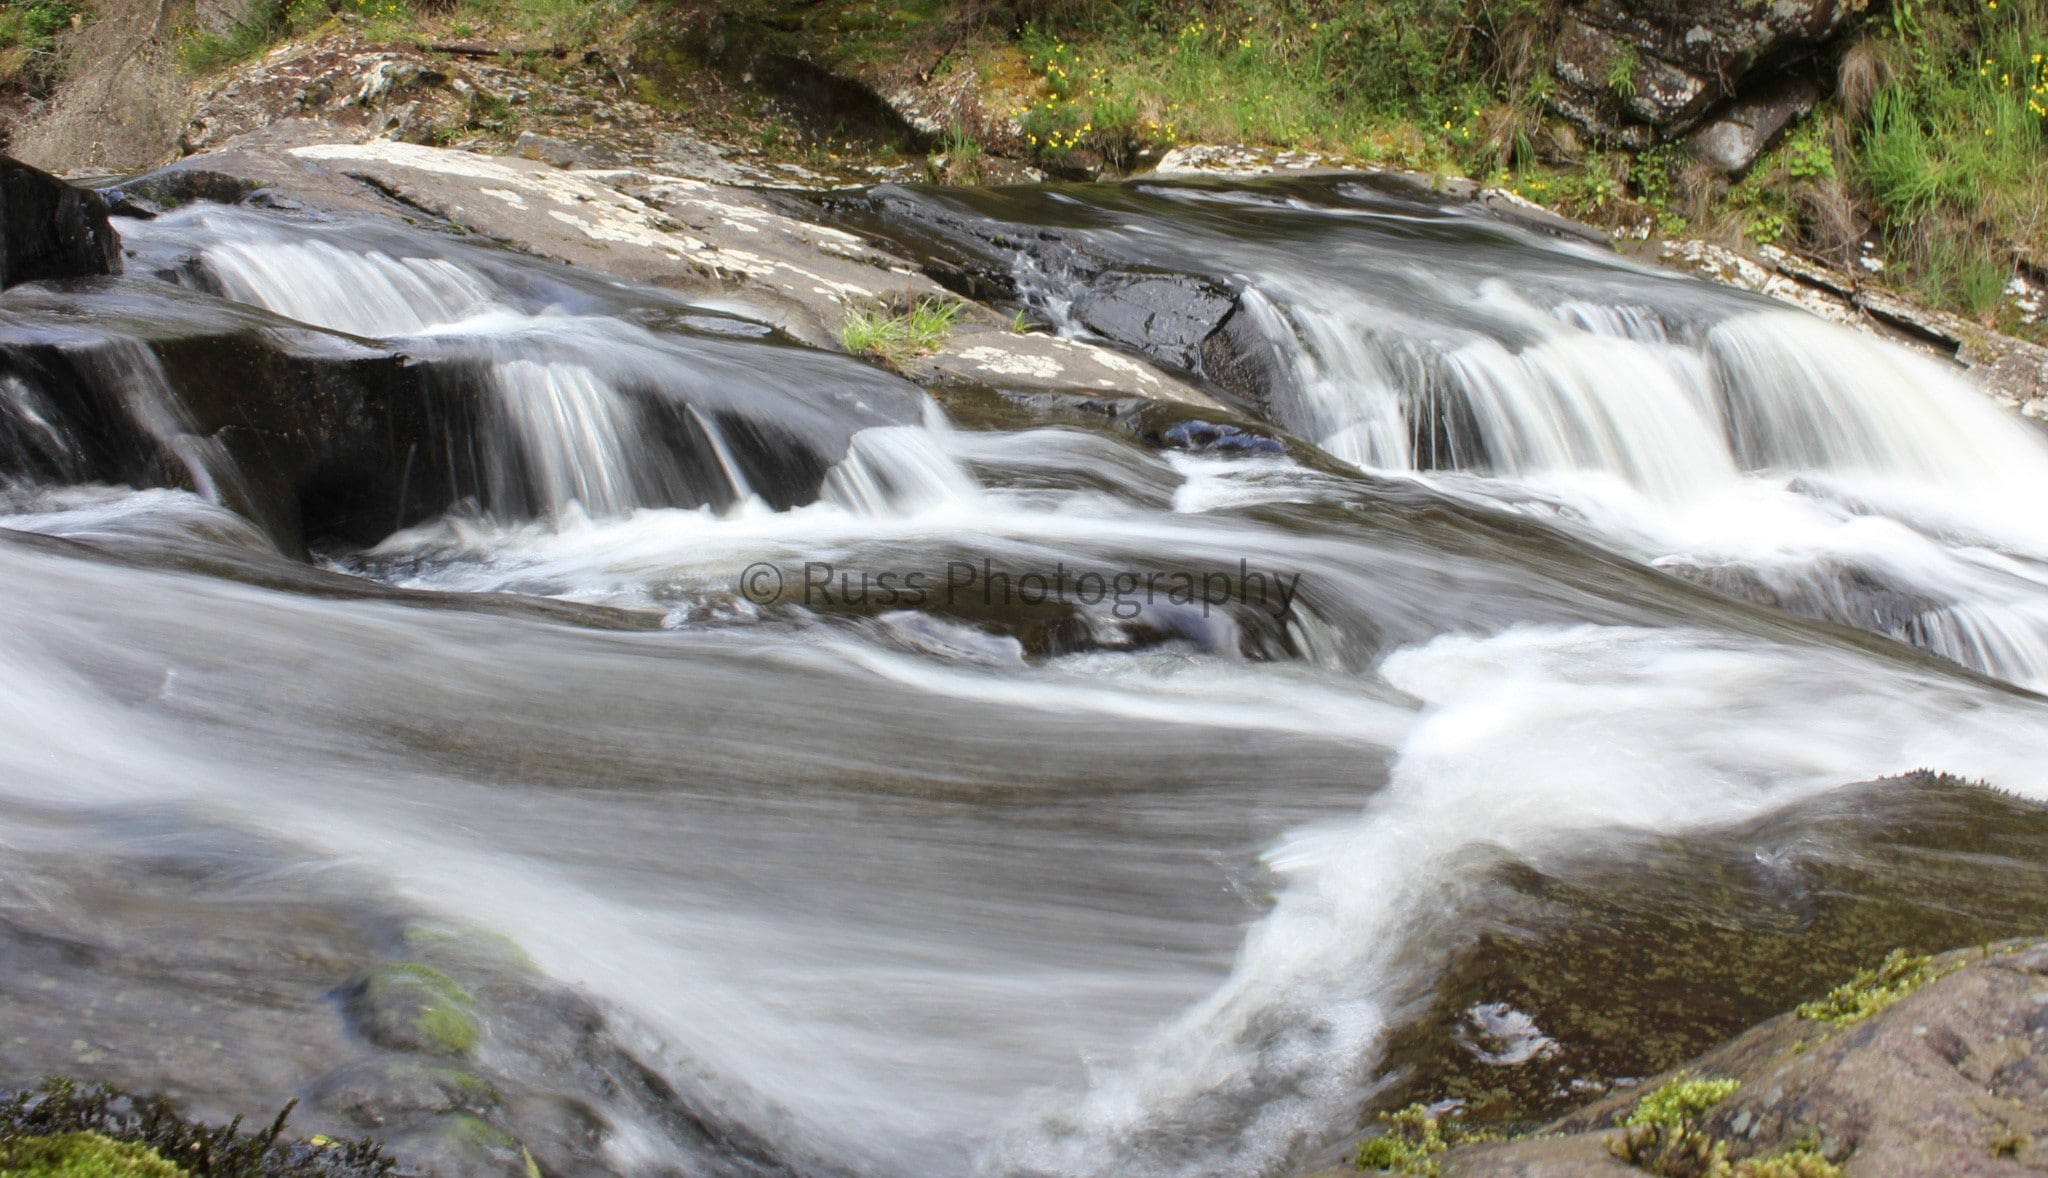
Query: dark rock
point(1639, 70)
point(1733, 139)
point(176, 185)
point(1203, 437)
point(1165, 316)
point(52, 229)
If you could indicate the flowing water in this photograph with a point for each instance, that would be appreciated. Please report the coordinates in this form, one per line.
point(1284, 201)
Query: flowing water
point(1123, 863)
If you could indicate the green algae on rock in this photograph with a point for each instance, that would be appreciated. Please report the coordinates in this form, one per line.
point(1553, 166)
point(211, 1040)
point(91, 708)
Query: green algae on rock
point(407, 1006)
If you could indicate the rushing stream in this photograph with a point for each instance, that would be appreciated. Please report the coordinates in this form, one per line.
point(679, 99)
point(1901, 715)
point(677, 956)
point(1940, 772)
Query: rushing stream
point(1125, 864)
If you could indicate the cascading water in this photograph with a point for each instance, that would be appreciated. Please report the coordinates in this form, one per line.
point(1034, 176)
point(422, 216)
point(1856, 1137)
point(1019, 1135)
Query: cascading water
point(1752, 447)
point(894, 867)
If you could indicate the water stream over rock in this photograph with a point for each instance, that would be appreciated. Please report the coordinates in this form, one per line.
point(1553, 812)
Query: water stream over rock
point(801, 773)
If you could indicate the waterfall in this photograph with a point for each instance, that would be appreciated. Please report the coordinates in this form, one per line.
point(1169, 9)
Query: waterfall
point(1001, 854)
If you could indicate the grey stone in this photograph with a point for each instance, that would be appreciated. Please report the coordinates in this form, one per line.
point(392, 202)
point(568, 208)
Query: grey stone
point(1732, 140)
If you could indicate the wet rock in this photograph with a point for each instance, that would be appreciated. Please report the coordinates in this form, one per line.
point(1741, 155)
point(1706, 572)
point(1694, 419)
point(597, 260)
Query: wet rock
point(1960, 1044)
point(374, 1092)
point(51, 229)
point(1733, 139)
point(1167, 316)
point(1639, 70)
point(462, 1143)
point(407, 1006)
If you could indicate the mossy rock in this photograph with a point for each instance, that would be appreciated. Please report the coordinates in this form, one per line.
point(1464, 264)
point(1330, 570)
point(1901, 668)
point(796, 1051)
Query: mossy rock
point(407, 1006)
point(377, 1092)
point(83, 1155)
point(461, 1143)
point(465, 948)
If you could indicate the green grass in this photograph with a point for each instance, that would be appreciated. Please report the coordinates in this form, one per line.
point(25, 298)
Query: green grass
point(893, 336)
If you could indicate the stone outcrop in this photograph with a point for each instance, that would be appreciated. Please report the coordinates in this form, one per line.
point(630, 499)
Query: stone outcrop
point(1639, 71)
point(51, 229)
point(1949, 1079)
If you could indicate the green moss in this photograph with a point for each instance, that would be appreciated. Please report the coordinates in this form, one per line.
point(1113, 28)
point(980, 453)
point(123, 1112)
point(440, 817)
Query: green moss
point(413, 1007)
point(83, 1155)
point(67, 1130)
point(1680, 1100)
point(1409, 1145)
point(1870, 991)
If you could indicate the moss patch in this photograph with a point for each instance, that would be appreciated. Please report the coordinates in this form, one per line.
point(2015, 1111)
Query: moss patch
point(64, 1129)
point(1871, 990)
point(407, 1006)
point(83, 1155)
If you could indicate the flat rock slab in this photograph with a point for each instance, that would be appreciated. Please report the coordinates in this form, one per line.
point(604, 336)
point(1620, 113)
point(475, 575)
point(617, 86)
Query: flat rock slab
point(645, 226)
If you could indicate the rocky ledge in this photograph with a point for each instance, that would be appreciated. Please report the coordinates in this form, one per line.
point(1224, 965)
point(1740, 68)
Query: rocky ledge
point(1918, 1066)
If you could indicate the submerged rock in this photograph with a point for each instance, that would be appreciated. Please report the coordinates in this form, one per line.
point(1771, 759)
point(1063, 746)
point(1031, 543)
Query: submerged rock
point(52, 229)
point(406, 1006)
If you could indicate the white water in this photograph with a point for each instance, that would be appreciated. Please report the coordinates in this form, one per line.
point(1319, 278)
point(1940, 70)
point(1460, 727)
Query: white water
point(1759, 448)
point(901, 900)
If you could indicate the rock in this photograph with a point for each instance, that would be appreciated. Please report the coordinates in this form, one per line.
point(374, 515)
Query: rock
point(561, 153)
point(1166, 316)
point(52, 229)
point(1641, 70)
point(1962, 1044)
point(406, 1006)
point(1733, 139)
point(373, 1092)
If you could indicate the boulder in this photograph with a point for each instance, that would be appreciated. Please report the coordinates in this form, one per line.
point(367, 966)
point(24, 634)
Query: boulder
point(1642, 70)
point(52, 229)
point(1733, 139)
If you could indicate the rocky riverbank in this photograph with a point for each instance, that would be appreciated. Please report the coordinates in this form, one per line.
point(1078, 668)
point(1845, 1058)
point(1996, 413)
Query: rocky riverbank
point(1918, 1066)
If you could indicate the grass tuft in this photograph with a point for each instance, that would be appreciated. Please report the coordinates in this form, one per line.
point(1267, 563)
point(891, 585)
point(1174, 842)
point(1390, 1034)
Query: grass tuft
point(896, 336)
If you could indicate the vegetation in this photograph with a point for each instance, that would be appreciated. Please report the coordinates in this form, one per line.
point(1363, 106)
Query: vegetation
point(61, 1129)
point(1663, 1136)
point(1680, 1100)
point(1411, 1140)
point(28, 36)
point(1871, 990)
point(894, 336)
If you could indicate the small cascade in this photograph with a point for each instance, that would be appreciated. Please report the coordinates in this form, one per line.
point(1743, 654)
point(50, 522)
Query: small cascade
point(368, 293)
point(32, 436)
point(134, 376)
point(1726, 437)
point(899, 470)
point(576, 439)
